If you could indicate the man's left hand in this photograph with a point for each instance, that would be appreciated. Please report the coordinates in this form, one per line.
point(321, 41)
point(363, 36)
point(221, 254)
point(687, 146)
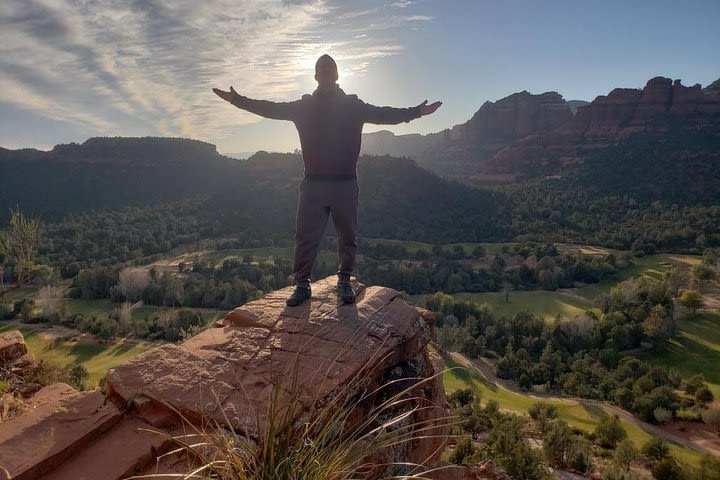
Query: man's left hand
point(426, 109)
point(227, 96)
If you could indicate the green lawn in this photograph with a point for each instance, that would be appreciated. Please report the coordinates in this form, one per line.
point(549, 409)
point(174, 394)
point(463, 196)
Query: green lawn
point(96, 358)
point(576, 414)
point(541, 302)
point(571, 302)
point(105, 306)
point(695, 350)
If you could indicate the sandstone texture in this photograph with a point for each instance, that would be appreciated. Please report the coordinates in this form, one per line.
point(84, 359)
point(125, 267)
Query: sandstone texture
point(12, 346)
point(226, 374)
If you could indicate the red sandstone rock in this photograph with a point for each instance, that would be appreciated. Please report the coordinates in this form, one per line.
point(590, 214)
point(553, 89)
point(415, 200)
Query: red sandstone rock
point(607, 120)
point(226, 372)
point(41, 438)
point(12, 346)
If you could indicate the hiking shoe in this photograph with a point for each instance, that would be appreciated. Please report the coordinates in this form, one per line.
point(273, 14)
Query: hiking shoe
point(298, 296)
point(346, 292)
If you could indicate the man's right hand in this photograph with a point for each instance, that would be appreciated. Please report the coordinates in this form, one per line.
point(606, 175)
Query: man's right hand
point(227, 96)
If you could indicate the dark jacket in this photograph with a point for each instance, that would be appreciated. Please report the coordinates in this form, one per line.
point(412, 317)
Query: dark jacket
point(330, 126)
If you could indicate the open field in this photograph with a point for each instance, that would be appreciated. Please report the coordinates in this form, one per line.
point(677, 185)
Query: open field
point(569, 302)
point(584, 415)
point(544, 303)
point(696, 349)
point(97, 358)
point(105, 306)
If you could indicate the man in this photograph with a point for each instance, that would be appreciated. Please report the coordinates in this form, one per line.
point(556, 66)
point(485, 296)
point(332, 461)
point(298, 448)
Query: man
point(330, 124)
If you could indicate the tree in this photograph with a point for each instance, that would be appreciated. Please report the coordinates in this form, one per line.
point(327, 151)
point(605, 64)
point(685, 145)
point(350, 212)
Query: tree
point(704, 395)
point(78, 375)
point(609, 431)
point(132, 282)
point(463, 450)
point(51, 303)
point(655, 449)
point(625, 453)
point(658, 325)
point(662, 415)
point(666, 469)
point(691, 299)
point(703, 273)
point(675, 278)
point(557, 442)
point(20, 243)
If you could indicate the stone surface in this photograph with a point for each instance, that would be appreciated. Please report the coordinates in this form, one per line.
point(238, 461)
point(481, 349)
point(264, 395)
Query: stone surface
point(41, 438)
point(225, 372)
point(12, 346)
point(133, 446)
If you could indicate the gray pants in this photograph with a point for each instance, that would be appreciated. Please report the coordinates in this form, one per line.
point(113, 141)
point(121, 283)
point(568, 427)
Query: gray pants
point(317, 198)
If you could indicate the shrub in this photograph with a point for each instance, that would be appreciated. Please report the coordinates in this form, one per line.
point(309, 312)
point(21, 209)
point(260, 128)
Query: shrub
point(655, 449)
point(704, 395)
point(666, 469)
point(463, 450)
point(688, 415)
point(78, 375)
point(662, 415)
point(609, 432)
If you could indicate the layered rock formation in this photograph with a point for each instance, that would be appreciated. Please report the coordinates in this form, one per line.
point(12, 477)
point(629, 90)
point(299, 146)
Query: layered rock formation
point(456, 152)
point(523, 134)
point(661, 105)
point(227, 374)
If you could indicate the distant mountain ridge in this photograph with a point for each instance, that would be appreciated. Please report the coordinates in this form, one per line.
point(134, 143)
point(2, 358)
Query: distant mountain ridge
point(505, 136)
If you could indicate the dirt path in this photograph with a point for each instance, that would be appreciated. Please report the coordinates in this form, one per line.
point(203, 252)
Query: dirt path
point(486, 370)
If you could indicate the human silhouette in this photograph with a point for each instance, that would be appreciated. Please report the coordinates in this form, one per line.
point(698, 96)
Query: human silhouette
point(329, 123)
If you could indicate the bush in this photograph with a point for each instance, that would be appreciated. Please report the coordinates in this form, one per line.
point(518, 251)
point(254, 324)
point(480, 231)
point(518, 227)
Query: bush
point(666, 469)
point(688, 415)
point(655, 449)
point(704, 395)
point(609, 432)
point(662, 415)
point(464, 449)
point(625, 453)
point(78, 375)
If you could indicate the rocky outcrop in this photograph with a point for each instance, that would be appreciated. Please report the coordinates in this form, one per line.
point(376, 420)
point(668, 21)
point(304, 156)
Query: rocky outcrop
point(227, 374)
point(12, 347)
point(662, 104)
point(458, 151)
point(515, 117)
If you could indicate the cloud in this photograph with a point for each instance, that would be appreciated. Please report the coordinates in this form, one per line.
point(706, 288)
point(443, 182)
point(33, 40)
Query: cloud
point(114, 67)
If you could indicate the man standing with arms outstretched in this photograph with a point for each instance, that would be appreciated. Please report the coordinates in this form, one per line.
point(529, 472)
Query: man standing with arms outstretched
point(330, 124)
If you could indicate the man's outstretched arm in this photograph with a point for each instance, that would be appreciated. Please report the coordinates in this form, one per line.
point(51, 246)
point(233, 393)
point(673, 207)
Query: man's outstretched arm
point(393, 116)
point(264, 108)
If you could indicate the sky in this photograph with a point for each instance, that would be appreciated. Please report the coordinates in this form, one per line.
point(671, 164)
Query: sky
point(74, 69)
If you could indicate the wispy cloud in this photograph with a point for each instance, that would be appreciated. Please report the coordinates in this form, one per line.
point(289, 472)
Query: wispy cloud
point(150, 64)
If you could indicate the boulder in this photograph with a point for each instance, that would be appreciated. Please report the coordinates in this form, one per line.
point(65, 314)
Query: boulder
point(12, 346)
